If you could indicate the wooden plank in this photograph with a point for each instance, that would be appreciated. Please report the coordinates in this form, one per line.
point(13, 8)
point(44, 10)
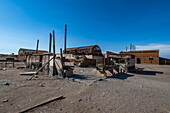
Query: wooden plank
point(27, 73)
point(41, 104)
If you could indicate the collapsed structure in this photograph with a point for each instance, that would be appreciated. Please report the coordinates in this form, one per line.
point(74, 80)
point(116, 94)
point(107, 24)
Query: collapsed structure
point(120, 63)
point(63, 64)
point(88, 56)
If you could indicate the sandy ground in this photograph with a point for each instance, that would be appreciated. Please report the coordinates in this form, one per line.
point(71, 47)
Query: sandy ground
point(146, 92)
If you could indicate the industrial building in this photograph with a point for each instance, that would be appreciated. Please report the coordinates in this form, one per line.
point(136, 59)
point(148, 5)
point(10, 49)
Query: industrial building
point(144, 56)
point(86, 50)
point(30, 51)
point(23, 53)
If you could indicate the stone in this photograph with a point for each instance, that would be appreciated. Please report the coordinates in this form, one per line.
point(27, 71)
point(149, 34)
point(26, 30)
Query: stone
point(4, 68)
point(6, 83)
point(141, 86)
point(41, 85)
point(5, 100)
point(80, 100)
point(100, 79)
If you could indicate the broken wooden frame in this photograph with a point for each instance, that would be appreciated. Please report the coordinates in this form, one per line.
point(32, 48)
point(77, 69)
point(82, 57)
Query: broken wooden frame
point(9, 60)
point(41, 68)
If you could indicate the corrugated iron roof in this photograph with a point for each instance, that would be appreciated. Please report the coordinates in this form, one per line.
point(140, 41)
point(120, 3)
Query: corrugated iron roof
point(84, 47)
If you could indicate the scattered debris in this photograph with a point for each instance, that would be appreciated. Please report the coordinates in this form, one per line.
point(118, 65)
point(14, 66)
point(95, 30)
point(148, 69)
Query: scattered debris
point(20, 67)
point(3, 68)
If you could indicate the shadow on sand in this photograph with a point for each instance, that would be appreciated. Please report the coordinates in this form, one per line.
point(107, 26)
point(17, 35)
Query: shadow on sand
point(121, 76)
point(148, 72)
point(80, 77)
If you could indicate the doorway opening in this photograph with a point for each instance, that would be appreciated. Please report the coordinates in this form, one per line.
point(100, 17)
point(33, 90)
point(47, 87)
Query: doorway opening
point(138, 61)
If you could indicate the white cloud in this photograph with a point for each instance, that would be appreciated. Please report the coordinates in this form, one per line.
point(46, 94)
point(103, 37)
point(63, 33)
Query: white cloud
point(164, 49)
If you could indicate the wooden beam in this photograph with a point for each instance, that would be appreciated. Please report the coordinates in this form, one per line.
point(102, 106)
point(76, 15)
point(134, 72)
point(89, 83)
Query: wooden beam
point(37, 46)
point(62, 62)
point(54, 67)
point(65, 39)
point(50, 43)
point(41, 104)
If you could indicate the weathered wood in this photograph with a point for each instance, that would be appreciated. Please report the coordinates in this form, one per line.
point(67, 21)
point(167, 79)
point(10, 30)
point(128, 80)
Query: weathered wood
point(40, 68)
point(27, 73)
point(65, 39)
point(50, 43)
point(62, 63)
point(54, 68)
point(41, 104)
point(37, 46)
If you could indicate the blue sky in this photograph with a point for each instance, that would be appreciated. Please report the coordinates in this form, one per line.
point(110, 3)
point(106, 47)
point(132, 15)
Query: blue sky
point(112, 24)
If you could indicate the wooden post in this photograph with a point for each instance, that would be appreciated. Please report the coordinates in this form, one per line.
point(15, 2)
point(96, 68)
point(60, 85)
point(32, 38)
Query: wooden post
point(6, 63)
point(50, 43)
point(13, 63)
point(104, 63)
point(62, 63)
point(54, 67)
point(65, 39)
point(48, 65)
point(37, 46)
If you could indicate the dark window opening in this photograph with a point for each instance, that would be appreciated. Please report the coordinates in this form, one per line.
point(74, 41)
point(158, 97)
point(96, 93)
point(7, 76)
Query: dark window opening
point(138, 61)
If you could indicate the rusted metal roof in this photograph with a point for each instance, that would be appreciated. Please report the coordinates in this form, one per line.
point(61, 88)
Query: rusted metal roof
point(84, 47)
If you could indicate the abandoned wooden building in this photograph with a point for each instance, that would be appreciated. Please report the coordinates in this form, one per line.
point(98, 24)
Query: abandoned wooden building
point(30, 51)
point(23, 53)
point(86, 50)
point(144, 56)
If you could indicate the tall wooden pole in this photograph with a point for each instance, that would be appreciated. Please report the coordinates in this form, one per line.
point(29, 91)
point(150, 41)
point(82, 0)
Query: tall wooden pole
point(54, 67)
point(62, 63)
point(50, 43)
point(37, 46)
point(65, 39)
